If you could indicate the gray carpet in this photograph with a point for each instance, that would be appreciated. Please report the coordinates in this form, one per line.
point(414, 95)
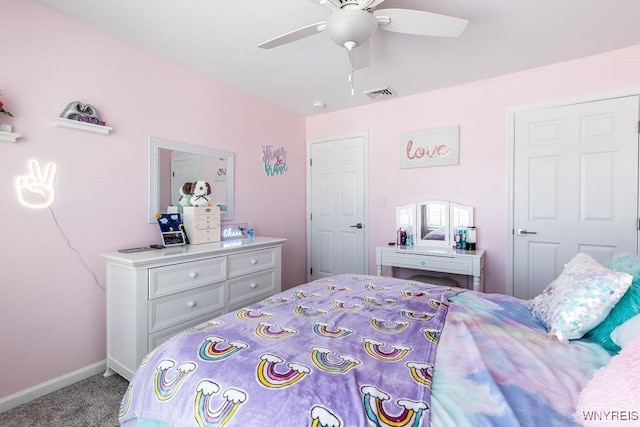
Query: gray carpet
point(93, 402)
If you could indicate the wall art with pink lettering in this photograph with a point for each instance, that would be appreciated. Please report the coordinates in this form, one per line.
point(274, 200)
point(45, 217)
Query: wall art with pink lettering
point(430, 147)
point(274, 160)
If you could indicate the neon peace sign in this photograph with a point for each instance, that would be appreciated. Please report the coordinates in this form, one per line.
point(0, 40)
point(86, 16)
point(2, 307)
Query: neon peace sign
point(35, 190)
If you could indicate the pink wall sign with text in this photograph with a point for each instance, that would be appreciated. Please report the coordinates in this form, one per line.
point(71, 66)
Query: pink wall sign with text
point(430, 147)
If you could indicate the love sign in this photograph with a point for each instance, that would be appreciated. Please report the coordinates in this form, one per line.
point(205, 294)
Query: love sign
point(430, 147)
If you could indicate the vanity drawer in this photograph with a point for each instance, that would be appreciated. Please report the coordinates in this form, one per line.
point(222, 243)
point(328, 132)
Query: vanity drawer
point(178, 308)
point(174, 278)
point(249, 262)
point(442, 263)
point(252, 288)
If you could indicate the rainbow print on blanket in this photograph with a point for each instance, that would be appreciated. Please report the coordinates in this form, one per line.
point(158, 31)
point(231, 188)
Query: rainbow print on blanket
point(341, 351)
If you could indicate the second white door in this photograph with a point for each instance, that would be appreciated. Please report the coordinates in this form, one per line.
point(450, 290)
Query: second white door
point(575, 187)
point(337, 207)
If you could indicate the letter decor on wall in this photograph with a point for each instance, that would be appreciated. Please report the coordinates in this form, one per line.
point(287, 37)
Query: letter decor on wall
point(274, 160)
point(220, 170)
point(430, 147)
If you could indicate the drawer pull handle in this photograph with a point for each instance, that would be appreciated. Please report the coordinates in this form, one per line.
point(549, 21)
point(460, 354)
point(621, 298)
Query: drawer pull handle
point(191, 304)
point(253, 285)
point(254, 261)
point(193, 275)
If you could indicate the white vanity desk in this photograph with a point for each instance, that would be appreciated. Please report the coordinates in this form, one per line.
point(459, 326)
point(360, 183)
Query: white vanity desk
point(440, 259)
point(155, 294)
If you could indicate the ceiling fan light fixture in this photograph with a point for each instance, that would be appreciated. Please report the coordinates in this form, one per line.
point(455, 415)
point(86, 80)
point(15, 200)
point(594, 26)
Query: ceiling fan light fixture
point(351, 25)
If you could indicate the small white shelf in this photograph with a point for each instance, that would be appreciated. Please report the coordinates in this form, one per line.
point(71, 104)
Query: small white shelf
point(9, 137)
point(75, 124)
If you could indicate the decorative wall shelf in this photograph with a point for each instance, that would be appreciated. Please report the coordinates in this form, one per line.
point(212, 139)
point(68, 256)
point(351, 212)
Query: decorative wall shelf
point(75, 124)
point(9, 137)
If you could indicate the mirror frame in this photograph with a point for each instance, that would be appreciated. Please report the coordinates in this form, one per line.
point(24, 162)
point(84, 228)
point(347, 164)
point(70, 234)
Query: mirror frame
point(153, 178)
point(412, 213)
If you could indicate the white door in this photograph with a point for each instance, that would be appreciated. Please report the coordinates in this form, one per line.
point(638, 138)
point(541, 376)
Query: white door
point(337, 236)
point(575, 187)
point(185, 169)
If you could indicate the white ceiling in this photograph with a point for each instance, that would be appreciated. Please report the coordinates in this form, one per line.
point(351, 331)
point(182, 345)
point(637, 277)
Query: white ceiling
point(219, 39)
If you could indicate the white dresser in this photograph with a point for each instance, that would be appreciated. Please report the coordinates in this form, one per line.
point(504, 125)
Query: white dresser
point(153, 295)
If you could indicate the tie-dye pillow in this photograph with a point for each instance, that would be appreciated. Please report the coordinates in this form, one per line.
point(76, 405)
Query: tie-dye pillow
point(580, 298)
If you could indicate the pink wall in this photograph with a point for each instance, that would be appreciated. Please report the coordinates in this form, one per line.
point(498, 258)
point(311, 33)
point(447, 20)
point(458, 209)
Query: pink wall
point(52, 314)
point(52, 317)
point(480, 108)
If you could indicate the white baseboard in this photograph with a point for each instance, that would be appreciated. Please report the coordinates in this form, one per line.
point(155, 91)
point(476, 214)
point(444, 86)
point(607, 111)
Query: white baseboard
point(50, 386)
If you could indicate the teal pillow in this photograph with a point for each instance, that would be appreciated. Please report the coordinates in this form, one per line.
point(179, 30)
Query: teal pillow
point(626, 308)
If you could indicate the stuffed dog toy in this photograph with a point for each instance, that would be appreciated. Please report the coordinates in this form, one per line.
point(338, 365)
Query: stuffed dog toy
point(200, 193)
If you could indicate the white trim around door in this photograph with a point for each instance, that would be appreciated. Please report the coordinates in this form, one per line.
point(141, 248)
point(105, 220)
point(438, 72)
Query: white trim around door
point(511, 135)
point(365, 160)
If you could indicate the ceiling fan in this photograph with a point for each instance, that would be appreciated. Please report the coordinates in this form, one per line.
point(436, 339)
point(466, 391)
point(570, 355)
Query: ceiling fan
point(351, 23)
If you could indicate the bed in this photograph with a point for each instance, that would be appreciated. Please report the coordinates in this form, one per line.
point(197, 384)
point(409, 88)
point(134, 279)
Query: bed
point(358, 350)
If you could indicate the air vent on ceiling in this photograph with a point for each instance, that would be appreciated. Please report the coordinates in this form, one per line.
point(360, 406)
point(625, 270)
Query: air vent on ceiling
point(380, 93)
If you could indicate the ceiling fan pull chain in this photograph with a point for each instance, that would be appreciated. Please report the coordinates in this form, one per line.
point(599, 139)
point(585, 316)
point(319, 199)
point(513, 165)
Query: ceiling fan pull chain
point(350, 49)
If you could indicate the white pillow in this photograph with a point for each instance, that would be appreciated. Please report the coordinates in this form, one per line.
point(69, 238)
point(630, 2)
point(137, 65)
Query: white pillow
point(580, 298)
point(626, 332)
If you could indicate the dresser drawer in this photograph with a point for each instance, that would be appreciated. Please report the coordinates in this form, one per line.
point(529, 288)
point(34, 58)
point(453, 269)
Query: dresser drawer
point(178, 308)
point(157, 338)
point(442, 263)
point(197, 236)
point(252, 288)
point(207, 214)
point(174, 278)
point(207, 224)
point(249, 262)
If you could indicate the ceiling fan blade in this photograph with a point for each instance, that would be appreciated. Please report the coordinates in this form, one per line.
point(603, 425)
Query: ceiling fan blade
point(331, 4)
point(294, 35)
point(360, 56)
point(421, 23)
point(369, 4)
point(337, 4)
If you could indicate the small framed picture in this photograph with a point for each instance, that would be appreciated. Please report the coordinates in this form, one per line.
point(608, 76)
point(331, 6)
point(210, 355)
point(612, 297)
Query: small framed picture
point(173, 238)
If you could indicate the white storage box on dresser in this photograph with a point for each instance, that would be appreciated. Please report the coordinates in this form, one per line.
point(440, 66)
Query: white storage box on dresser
point(155, 294)
point(202, 224)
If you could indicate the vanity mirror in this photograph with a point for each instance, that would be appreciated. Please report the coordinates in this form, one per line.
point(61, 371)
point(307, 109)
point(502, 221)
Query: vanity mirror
point(172, 163)
point(433, 222)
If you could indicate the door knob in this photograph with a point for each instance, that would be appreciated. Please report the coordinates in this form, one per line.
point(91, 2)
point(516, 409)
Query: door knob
point(524, 232)
point(358, 225)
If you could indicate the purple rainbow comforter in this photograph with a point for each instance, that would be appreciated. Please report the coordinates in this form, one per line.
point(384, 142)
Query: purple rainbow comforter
point(360, 351)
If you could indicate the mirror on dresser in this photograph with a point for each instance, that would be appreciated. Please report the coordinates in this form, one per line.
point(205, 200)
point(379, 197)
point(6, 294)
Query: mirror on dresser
point(433, 222)
point(173, 163)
